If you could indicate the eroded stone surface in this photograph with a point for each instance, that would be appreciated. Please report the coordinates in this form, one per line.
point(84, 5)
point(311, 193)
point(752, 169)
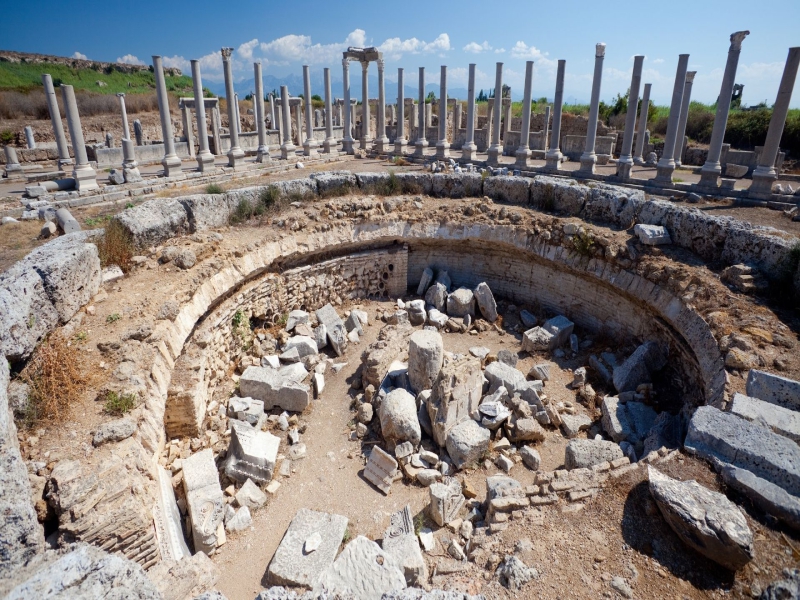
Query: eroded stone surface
point(364, 570)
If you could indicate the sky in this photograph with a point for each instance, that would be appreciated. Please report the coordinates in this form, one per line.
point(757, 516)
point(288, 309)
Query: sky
point(286, 35)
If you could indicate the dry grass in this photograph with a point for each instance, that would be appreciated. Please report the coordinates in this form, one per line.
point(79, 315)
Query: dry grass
point(56, 383)
point(116, 246)
point(17, 105)
point(16, 240)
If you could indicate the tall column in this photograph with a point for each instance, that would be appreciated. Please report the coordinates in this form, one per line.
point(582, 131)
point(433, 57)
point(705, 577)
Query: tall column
point(298, 119)
point(365, 137)
point(638, 159)
point(235, 154)
point(709, 174)
point(261, 125)
point(400, 137)
point(84, 175)
point(329, 146)
point(442, 145)
point(310, 145)
point(495, 150)
point(381, 141)
point(205, 160)
point(55, 119)
point(347, 139)
point(238, 114)
point(546, 127)
point(272, 118)
point(764, 175)
point(687, 98)
point(126, 132)
point(469, 149)
point(421, 143)
point(287, 147)
point(589, 158)
point(553, 155)
point(625, 162)
point(666, 164)
point(523, 151)
point(171, 162)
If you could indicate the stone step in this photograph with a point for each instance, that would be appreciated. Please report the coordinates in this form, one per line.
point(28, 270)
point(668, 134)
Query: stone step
point(774, 389)
point(768, 496)
point(781, 420)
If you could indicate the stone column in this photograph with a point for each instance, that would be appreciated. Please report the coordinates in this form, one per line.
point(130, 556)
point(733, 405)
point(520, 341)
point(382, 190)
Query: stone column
point(130, 168)
point(365, 137)
point(188, 134)
point(84, 175)
point(55, 119)
point(126, 132)
point(680, 141)
point(764, 175)
point(589, 158)
point(553, 155)
point(421, 143)
point(216, 123)
point(709, 174)
point(235, 154)
point(625, 162)
point(30, 140)
point(329, 146)
point(495, 150)
point(14, 170)
point(381, 141)
point(457, 112)
point(469, 149)
point(171, 161)
point(546, 127)
point(298, 120)
point(138, 132)
point(261, 117)
point(347, 139)
point(310, 145)
point(442, 145)
point(287, 147)
point(279, 118)
point(205, 160)
point(272, 118)
point(666, 165)
point(640, 133)
point(400, 138)
point(238, 114)
point(523, 151)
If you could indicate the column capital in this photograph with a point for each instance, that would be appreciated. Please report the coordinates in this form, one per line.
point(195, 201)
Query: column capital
point(690, 76)
point(120, 94)
point(226, 53)
point(381, 64)
point(364, 65)
point(346, 63)
point(600, 50)
point(737, 38)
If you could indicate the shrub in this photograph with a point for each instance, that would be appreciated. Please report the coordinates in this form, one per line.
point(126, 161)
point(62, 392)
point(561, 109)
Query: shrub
point(113, 318)
point(116, 246)
point(583, 243)
point(213, 188)
point(6, 137)
point(270, 196)
point(119, 404)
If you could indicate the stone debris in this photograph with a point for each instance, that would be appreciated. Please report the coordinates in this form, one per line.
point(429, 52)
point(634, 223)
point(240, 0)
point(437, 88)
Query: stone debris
point(240, 521)
point(639, 367)
point(337, 334)
point(251, 496)
point(784, 589)
point(540, 372)
point(461, 303)
point(204, 499)
point(416, 312)
point(114, 431)
point(771, 498)
point(291, 565)
point(425, 359)
point(400, 542)
point(704, 520)
point(530, 457)
point(251, 454)
point(455, 396)
point(436, 297)
point(296, 317)
point(446, 501)
point(274, 389)
point(628, 422)
point(363, 570)
point(582, 453)
point(572, 425)
point(246, 409)
point(425, 281)
point(305, 346)
point(398, 416)
point(553, 334)
point(500, 374)
point(652, 235)
point(514, 574)
point(486, 302)
point(467, 442)
point(381, 469)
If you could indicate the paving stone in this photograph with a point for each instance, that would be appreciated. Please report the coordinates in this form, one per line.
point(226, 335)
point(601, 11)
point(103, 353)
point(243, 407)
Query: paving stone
point(363, 570)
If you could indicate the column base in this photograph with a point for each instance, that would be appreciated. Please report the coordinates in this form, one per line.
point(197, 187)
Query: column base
point(709, 176)
point(761, 188)
point(330, 147)
point(494, 155)
point(172, 166)
point(442, 150)
point(469, 152)
point(638, 161)
point(131, 174)
point(419, 148)
point(85, 178)
point(624, 167)
point(67, 162)
point(522, 154)
point(235, 157)
point(365, 143)
point(347, 146)
point(14, 172)
point(382, 145)
point(663, 176)
point(552, 161)
point(310, 149)
point(263, 155)
point(400, 147)
point(588, 162)
point(288, 151)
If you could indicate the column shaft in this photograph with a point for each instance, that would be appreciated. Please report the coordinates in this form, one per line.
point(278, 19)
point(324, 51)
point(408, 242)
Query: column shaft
point(235, 153)
point(666, 165)
point(637, 155)
point(310, 145)
point(329, 145)
point(365, 137)
point(400, 137)
point(347, 138)
point(261, 117)
point(381, 141)
point(469, 148)
point(625, 162)
point(126, 132)
point(523, 151)
point(553, 155)
point(84, 175)
point(589, 158)
point(55, 119)
point(495, 150)
point(287, 147)
point(421, 143)
point(205, 160)
point(171, 162)
point(687, 98)
point(442, 145)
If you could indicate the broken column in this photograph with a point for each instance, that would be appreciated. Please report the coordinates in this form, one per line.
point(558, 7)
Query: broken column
point(400, 136)
point(84, 175)
point(329, 146)
point(442, 145)
point(365, 137)
point(13, 170)
point(30, 140)
point(687, 98)
point(126, 132)
point(55, 119)
point(381, 141)
point(347, 139)
point(625, 162)
point(130, 168)
point(171, 162)
point(469, 149)
point(421, 143)
point(764, 175)
point(640, 133)
point(235, 154)
point(261, 118)
point(495, 150)
point(546, 127)
point(523, 151)
point(310, 144)
point(589, 158)
point(666, 164)
point(455, 396)
point(252, 453)
point(205, 160)
point(425, 356)
point(204, 499)
point(553, 155)
point(287, 147)
point(709, 174)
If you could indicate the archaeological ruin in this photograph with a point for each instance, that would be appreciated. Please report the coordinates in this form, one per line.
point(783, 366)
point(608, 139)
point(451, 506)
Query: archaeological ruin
point(400, 348)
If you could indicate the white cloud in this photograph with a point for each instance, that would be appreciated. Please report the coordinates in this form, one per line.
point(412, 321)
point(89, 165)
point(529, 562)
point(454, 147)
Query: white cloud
point(395, 48)
point(356, 38)
point(80, 55)
point(246, 49)
point(476, 48)
point(176, 62)
point(658, 61)
point(499, 50)
point(129, 59)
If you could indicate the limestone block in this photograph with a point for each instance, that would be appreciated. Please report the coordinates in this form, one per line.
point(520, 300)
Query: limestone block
point(155, 221)
point(306, 346)
point(203, 499)
point(381, 469)
point(114, 431)
point(321, 336)
point(486, 302)
point(369, 181)
point(26, 312)
point(274, 389)
point(627, 422)
point(572, 425)
point(467, 442)
point(537, 339)
point(774, 389)
point(398, 415)
point(437, 318)
point(443, 277)
point(425, 357)
point(415, 183)
point(565, 196)
point(436, 296)
point(246, 409)
point(297, 189)
point(334, 182)
point(337, 334)
point(208, 211)
point(506, 188)
point(425, 281)
point(719, 436)
point(502, 486)
point(167, 520)
point(582, 453)
point(400, 542)
point(500, 374)
point(781, 420)
point(530, 456)
point(560, 327)
point(296, 317)
point(704, 520)
point(363, 570)
point(353, 323)
point(446, 501)
point(291, 565)
point(527, 430)
point(455, 396)
point(639, 367)
point(185, 578)
point(769, 497)
point(457, 185)
point(461, 303)
point(252, 453)
point(416, 312)
point(652, 235)
point(528, 320)
point(240, 521)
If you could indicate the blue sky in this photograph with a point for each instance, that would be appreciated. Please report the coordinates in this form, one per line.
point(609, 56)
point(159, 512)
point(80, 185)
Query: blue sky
point(285, 35)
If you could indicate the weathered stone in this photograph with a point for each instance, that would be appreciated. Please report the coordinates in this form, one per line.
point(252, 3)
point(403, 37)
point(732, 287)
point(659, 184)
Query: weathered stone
point(353, 323)
point(381, 469)
point(652, 235)
point(246, 409)
point(781, 420)
point(203, 499)
point(240, 521)
point(337, 334)
point(436, 318)
point(251, 496)
point(425, 357)
point(627, 422)
point(274, 389)
point(467, 442)
point(436, 296)
point(400, 542)
point(296, 317)
point(114, 431)
point(252, 453)
point(425, 281)
point(784, 589)
point(446, 500)
point(560, 327)
point(363, 570)
point(704, 520)
point(306, 346)
point(587, 453)
point(365, 413)
point(460, 303)
point(514, 574)
point(185, 578)
point(185, 259)
point(444, 278)
point(500, 374)
point(571, 425)
point(416, 312)
point(486, 302)
point(540, 372)
point(398, 415)
point(291, 565)
point(455, 396)
point(155, 221)
point(530, 456)
point(639, 367)
point(769, 497)
point(505, 188)
point(527, 430)
point(774, 389)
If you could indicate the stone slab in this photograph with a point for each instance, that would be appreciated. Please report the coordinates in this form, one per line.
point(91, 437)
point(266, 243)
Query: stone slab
point(652, 235)
point(781, 420)
point(268, 385)
point(773, 389)
point(363, 570)
point(203, 498)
